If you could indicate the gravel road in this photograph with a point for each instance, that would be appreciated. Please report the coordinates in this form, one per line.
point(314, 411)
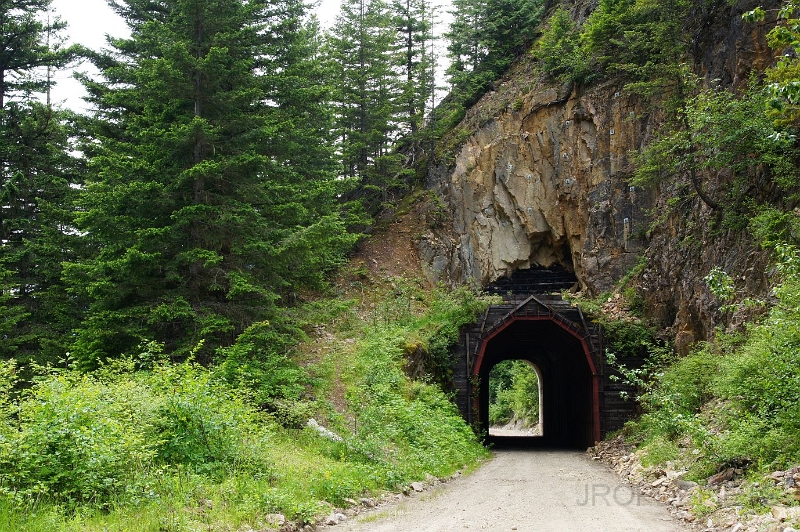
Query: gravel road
point(530, 490)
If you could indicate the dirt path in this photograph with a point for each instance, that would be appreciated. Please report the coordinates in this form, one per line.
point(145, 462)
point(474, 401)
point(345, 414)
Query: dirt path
point(547, 491)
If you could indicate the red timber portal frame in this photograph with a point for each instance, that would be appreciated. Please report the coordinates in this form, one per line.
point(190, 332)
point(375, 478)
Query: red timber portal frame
point(570, 380)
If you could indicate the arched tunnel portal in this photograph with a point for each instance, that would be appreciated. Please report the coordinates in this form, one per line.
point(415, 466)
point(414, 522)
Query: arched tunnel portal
point(570, 381)
point(582, 397)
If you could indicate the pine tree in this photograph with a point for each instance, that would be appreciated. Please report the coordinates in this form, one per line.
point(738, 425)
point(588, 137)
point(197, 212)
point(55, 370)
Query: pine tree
point(197, 204)
point(414, 21)
point(27, 44)
point(485, 36)
point(37, 235)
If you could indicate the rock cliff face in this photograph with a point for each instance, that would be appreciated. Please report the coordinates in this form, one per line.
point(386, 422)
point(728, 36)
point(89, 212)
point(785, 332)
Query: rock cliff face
point(543, 185)
point(542, 180)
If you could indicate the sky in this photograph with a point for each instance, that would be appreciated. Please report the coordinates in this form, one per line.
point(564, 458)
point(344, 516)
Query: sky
point(89, 21)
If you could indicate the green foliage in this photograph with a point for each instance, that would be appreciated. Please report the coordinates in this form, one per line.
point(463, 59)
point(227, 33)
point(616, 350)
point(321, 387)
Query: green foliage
point(448, 314)
point(737, 402)
point(170, 446)
point(628, 338)
point(513, 394)
point(37, 190)
point(31, 42)
point(77, 441)
point(402, 426)
point(784, 78)
point(720, 284)
point(660, 450)
point(642, 40)
point(485, 36)
point(211, 196)
point(679, 392)
point(84, 440)
point(559, 49)
point(370, 98)
point(259, 363)
point(723, 135)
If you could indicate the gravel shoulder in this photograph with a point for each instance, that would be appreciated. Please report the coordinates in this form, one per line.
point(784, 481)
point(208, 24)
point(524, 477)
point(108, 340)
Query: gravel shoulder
point(524, 490)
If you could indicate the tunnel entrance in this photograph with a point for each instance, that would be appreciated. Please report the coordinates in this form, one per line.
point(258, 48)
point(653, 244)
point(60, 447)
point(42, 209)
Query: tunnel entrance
point(568, 380)
point(554, 336)
point(581, 399)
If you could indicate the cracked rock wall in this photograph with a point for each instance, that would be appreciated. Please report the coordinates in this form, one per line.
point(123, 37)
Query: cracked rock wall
point(541, 185)
point(542, 180)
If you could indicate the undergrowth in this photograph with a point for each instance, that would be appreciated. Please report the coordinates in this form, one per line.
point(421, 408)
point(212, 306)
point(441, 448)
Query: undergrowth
point(146, 444)
point(731, 401)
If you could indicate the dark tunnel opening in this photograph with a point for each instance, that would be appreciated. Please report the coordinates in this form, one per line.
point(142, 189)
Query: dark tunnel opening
point(570, 414)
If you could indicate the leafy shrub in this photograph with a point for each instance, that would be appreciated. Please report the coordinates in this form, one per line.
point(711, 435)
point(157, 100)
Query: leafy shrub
point(77, 440)
point(259, 363)
point(738, 406)
point(83, 439)
point(450, 312)
point(198, 422)
point(629, 339)
point(405, 428)
point(762, 378)
point(672, 401)
point(659, 450)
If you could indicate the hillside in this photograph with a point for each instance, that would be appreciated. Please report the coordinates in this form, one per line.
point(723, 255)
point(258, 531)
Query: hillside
point(230, 294)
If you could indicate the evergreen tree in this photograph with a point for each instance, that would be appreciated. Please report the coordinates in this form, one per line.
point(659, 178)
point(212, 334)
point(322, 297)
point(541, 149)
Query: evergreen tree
point(27, 44)
point(362, 51)
point(36, 177)
point(197, 203)
point(414, 22)
point(37, 235)
point(644, 41)
point(464, 46)
point(485, 36)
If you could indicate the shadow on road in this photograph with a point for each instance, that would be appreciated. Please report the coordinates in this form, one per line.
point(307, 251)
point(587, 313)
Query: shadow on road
point(525, 442)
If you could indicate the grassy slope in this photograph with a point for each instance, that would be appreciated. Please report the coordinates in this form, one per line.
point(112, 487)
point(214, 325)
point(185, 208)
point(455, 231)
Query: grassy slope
point(730, 405)
point(177, 448)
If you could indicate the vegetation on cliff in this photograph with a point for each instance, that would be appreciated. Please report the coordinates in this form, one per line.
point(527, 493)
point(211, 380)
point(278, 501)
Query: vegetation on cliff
point(734, 400)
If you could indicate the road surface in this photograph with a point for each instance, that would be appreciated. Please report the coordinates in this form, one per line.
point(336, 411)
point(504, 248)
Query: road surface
point(524, 491)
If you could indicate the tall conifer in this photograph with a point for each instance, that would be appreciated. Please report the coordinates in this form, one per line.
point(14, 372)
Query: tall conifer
point(37, 175)
point(197, 205)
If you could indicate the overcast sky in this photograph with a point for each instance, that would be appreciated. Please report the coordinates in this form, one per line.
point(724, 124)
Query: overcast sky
point(91, 20)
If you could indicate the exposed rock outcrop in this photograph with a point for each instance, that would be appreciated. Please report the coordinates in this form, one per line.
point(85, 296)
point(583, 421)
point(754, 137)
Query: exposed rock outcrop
point(543, 179)
point(543, 185)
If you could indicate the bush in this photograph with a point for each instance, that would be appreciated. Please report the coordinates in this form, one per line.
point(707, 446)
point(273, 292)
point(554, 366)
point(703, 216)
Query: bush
point(77, 440)
point(739, 406)
point(83, 439)
point(198, 421)
point(259, 365)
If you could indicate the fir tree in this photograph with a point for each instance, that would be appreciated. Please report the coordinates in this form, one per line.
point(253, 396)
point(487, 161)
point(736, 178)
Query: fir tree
point(197, 204)
point(362, 49)
point(37, 176)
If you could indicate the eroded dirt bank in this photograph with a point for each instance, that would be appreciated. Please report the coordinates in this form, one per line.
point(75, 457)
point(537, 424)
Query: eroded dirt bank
point(527, 490)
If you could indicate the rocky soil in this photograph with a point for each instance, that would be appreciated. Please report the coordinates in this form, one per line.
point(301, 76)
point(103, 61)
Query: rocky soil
point(723, 503)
